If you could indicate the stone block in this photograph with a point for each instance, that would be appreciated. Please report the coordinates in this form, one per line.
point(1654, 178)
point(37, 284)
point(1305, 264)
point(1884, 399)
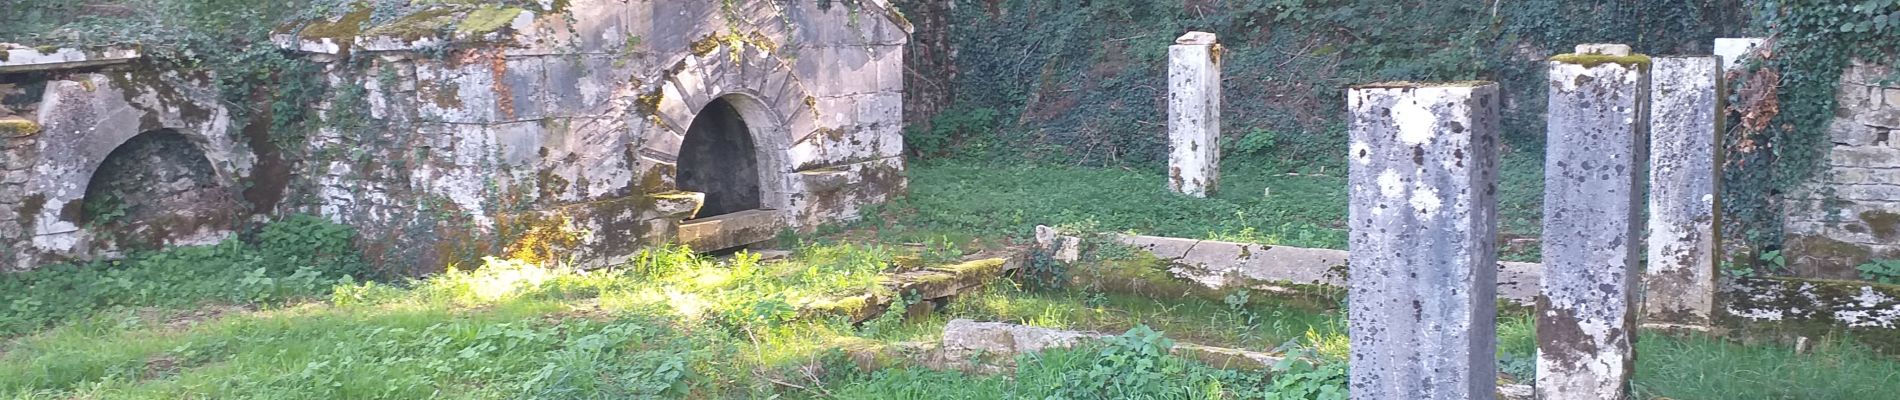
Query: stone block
point(1864, 176)
point(1679, 283)
point(1423, 213)
point(1888, 118)
point(1592, 205)
point(522, 93)
point(1847, 132)
point(1732, 50)
point(1060, 247)
point(731, 230)
point(464, 93)
point(1864, 156)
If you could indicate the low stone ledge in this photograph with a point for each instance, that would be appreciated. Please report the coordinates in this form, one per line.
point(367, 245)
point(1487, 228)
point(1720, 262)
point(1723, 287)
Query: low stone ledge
point(1217, 265)
point(1794, 307)
point(19, 58)
point(995, 344)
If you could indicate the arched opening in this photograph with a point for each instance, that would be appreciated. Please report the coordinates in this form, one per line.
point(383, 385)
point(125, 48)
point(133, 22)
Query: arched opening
point(718, 158)
point(157, 189)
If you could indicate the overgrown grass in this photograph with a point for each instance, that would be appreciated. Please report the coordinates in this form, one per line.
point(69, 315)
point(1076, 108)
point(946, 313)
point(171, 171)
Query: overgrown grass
point(1254, 205)
point(300, 256)
point(675, 324)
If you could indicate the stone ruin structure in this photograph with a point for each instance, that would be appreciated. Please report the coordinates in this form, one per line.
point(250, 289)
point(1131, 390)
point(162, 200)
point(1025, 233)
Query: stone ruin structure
point(1849, 213)
point(583, 127)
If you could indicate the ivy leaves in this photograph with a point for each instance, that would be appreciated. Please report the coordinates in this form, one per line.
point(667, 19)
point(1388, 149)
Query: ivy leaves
point(1881, 16)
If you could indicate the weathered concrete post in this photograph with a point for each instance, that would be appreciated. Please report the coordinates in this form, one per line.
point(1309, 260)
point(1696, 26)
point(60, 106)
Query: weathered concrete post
point(1732, 50)
point(1194, 114)
point(1423, 275)
point(1684, 179)
point(1586, 322)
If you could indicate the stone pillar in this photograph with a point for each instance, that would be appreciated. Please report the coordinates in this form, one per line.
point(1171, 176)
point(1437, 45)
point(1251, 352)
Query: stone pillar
point(1586, 322)
point(1194, 114)
point(1423, 276)
point(1732, 50)
point(1684, 179)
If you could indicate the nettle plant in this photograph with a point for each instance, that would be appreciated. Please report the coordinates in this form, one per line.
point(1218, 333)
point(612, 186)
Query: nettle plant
point(1883, 271)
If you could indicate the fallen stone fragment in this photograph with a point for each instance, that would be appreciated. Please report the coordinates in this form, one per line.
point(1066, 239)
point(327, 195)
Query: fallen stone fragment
point(990, 346)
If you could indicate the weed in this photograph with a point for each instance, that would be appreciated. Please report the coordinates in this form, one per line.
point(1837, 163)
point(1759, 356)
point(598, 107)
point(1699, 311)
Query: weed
point(1883, 271)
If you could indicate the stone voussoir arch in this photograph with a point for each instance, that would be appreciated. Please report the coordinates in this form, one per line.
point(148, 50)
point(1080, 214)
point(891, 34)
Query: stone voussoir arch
point(93, 115)
point(779, 112)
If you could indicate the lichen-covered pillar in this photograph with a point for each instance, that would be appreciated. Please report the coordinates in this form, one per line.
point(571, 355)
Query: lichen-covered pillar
point(1423, 276)
point(1586, 320)
point(1194, 114)
point(1684, 126)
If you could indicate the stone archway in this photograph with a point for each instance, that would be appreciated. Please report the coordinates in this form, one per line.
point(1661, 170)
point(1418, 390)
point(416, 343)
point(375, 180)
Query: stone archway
point(718, 158)
point(705, 111)
point(157, 189)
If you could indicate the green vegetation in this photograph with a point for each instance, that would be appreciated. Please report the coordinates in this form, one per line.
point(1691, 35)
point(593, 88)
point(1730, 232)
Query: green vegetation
point(1253, 205)
point(1883, 271)
point(672, 324)
point(285, 261)
point(1787, 101)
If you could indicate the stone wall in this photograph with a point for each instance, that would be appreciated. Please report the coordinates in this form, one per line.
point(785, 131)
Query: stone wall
point(68, 124)
point(556, 131)
point(1850, 213)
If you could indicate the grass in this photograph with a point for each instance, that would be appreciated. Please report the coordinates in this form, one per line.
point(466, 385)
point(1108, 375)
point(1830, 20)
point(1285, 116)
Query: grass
point(1254, 205)
point(266, 317)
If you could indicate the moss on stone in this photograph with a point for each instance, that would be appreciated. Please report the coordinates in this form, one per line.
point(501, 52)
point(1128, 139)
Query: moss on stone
point(1885, 225)
point(1806, 308)
point(1633, 61)
point(342, 29)
point(487, 19)
point(650, 103)
point(705, 45)
point(421, 24)
point(18, 127)
point(984, 267)
point(1417, 85)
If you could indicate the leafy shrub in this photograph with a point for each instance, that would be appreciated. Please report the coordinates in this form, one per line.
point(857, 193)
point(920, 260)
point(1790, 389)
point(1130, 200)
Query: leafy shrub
point(951, 128)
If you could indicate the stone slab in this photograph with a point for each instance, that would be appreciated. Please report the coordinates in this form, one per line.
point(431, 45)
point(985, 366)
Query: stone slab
point(731, 230)
point(27, 59)
point(965, 340)
point(1271, 267)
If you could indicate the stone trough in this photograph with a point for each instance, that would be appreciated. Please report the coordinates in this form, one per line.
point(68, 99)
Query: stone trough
point(922, 288)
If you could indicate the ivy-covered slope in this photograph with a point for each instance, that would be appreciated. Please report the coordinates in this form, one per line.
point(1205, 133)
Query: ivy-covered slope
point(1084, 82)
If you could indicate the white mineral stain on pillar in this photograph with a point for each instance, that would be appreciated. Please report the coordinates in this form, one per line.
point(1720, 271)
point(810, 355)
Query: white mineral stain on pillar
point(1194, 95)
point(1423, 214)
